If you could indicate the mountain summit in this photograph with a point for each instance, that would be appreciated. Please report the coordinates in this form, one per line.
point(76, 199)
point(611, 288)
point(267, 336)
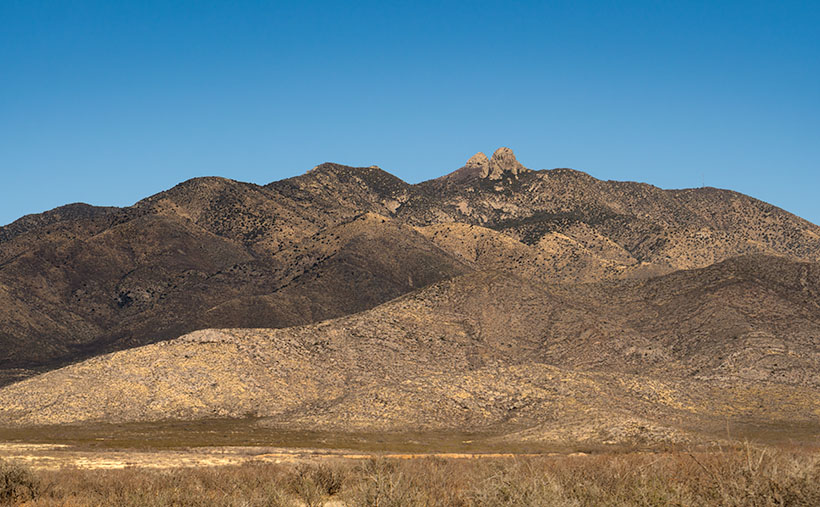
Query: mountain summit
point(481, 162)
point(503, 162)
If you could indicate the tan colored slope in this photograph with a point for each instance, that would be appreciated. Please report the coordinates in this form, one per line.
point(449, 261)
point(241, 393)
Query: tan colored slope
point(585, 256)
point(224, 373)
point(256, 372)
point(480, 351)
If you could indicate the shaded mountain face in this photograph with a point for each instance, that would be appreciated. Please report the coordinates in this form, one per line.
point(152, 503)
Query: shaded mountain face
point(79, 281)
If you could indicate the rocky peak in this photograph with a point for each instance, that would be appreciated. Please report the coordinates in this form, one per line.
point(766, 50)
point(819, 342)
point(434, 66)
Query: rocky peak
point(481, 162)
point(503, 162)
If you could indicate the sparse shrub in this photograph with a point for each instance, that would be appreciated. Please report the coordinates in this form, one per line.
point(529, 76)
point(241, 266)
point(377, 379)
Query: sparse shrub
point(755, 475)
point(17, 483)
point(329, 479)
point(313, 483)
point(445, 482)
point(518, 484)
point(383, 484)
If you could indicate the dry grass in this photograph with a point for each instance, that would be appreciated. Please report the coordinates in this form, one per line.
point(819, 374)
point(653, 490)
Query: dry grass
point(746, 475)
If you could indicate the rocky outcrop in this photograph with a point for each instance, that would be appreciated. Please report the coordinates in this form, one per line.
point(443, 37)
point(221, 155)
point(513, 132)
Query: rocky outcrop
point(503, 162)
point(481, 162)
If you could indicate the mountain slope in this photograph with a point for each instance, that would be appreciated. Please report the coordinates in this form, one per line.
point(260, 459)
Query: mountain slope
point(79, 281)
point(487, 350)
point(156, 277)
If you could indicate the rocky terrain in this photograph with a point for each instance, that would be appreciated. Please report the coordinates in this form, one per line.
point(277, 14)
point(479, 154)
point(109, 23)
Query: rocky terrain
point(545, 305)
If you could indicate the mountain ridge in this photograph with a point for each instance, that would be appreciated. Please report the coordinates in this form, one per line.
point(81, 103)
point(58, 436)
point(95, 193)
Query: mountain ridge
point(213, 252)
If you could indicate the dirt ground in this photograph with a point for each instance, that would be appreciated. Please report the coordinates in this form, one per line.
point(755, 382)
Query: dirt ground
point(56, 456)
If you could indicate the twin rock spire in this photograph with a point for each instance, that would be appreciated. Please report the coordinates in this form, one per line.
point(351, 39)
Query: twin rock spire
point(503, 162)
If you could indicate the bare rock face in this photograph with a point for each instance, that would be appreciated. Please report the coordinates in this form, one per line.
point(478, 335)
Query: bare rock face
point(504, 161)
point(480, 161)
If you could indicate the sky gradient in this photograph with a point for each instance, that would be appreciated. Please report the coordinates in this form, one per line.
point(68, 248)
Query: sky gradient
point(108, 102)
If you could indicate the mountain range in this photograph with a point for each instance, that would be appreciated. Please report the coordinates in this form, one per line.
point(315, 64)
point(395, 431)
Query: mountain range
point(541, 304)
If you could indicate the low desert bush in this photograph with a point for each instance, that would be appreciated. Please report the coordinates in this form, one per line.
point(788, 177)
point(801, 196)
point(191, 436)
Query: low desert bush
point(17, 483)
point(517, 483)
point(313, 484)
point(384, 483)
point(247, 485)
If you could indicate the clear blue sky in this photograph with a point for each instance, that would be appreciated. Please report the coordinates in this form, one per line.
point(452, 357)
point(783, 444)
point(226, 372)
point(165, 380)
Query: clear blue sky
point(107, 102)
